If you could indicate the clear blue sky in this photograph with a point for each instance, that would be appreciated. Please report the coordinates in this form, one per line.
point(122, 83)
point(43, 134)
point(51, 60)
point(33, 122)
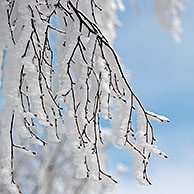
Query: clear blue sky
point(162, 76)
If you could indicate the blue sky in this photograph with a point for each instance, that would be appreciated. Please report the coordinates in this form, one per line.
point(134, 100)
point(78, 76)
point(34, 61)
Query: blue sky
point(162, 76)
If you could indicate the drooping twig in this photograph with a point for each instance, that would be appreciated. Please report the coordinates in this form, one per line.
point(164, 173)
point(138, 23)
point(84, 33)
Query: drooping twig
point(12, 153)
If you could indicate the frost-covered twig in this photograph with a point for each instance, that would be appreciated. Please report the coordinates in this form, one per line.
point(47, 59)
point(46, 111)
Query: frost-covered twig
point(64, 100)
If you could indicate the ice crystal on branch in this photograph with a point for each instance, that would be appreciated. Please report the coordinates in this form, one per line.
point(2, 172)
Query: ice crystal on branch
point(63, 100)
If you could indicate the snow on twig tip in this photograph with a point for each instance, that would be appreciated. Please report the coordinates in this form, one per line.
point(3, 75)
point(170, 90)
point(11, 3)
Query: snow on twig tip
point(157, 117)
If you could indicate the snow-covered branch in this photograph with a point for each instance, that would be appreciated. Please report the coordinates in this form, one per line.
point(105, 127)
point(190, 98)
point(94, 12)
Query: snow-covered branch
point(63, 99)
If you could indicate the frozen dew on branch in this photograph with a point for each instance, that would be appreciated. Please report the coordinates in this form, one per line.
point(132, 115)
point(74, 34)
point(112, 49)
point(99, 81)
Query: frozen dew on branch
point(157, 117)
point(167, 12)
point(59, 102)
